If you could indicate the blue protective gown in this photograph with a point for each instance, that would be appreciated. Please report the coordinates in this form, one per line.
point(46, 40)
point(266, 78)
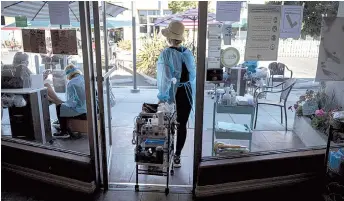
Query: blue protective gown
point(76, 98)
point(170, 66)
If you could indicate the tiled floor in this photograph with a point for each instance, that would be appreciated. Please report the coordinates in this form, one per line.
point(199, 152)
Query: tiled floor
point(108, 196)
point(269, 135)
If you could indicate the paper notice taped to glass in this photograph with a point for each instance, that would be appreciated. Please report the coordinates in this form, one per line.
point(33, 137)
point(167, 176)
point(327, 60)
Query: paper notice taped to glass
point(59, 12)
point(263, 32)
point(34, 41)
point(214, 51)
point(215, 41)
point(214, 29)
point(291, 22)
point(227, 34)
point(228, 11)
point(64, 42)
point(214, 62)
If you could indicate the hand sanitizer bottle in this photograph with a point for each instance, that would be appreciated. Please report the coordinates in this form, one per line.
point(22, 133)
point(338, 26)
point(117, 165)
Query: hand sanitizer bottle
point(226, 98)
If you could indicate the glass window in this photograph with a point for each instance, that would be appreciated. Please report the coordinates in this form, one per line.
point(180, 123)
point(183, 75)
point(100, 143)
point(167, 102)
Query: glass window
point(153, 12)
point(46, 66)
point(143, 19)
point(142, 12)
point(152, 19)
point(143, 29)
point(167, 12)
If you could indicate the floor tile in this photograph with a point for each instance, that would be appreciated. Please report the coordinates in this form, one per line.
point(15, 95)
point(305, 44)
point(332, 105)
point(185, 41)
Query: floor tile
point(180, 177)
point(122, 168)
point(280, 136)
point(184, 197)
point(286, 145)
point(121, 196)
point(207, 149)
point(257, 136)
point(260, 146)
point(158, 197)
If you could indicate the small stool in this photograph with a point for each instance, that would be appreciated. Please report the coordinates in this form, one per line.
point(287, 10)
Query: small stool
point(77, 125)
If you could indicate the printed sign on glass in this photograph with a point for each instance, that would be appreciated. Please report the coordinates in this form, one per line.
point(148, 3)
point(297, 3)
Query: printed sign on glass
point(64, 42)
point(34, 41)
point(228, 11)
point(59, 12)
point(227, 34)
point(291, 21)
point(263, 32)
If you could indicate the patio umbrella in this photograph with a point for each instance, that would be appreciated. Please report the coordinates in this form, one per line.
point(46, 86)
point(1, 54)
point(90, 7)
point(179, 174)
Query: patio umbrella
point(189, 18)
point(110, 23)
point(39, 10)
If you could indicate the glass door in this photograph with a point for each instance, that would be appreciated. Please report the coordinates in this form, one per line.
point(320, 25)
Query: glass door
point(105, 98)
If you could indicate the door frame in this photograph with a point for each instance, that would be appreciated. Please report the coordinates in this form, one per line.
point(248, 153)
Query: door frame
point(86, 38)
point(200, 81)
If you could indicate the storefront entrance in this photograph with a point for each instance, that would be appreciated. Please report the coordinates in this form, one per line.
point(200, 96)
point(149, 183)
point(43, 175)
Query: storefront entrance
point(120, 104)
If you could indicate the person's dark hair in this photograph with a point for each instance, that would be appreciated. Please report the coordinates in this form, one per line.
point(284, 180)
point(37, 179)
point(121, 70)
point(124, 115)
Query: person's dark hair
point(20, 58)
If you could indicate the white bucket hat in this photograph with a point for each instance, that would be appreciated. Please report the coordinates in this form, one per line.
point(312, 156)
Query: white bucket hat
point(175, 30)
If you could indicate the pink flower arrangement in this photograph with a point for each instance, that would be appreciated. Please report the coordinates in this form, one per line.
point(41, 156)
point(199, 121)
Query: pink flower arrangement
point(320, 113)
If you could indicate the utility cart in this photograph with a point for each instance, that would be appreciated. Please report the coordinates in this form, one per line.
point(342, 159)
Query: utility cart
point(154, 139)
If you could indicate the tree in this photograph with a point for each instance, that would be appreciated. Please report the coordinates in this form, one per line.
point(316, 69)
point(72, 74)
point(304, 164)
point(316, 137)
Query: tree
point(181, 6)
point(312, 14)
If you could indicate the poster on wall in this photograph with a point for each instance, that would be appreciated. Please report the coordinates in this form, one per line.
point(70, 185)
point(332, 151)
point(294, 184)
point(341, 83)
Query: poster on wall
point(228, 11)
point(34, 41)
point(291, 22)
point(263, 32)
point(331, 52)
point(64, 42)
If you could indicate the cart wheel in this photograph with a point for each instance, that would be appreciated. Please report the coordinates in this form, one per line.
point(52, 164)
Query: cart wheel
point(167, 191)
point(136, 188)
point(172, 172)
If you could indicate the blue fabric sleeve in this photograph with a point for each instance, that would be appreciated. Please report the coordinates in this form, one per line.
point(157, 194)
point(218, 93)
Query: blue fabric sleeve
point(71, 96)
point(164, 76)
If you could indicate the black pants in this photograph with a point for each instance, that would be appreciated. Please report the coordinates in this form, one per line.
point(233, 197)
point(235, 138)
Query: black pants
point(183, 106)
point(63, 120)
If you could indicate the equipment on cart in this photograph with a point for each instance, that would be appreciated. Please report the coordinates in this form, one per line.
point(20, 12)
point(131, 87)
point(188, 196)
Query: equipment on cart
point(154, 139)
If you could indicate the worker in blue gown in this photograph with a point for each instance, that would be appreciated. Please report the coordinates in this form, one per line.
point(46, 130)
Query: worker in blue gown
point(75, 105)
point(176, 80)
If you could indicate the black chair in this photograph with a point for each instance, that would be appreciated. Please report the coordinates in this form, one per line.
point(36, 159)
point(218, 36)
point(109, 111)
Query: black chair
point(277, 70)
point(285, 91)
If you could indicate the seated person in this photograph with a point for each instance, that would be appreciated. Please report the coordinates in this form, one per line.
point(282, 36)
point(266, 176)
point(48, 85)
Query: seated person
point(75, 106)
point(21, 60)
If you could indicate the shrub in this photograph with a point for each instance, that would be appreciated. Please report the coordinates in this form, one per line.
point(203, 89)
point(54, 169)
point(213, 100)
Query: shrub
point(124, 44)
point(149, 53)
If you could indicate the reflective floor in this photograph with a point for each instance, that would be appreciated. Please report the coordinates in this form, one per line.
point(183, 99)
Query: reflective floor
point(269, 135)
